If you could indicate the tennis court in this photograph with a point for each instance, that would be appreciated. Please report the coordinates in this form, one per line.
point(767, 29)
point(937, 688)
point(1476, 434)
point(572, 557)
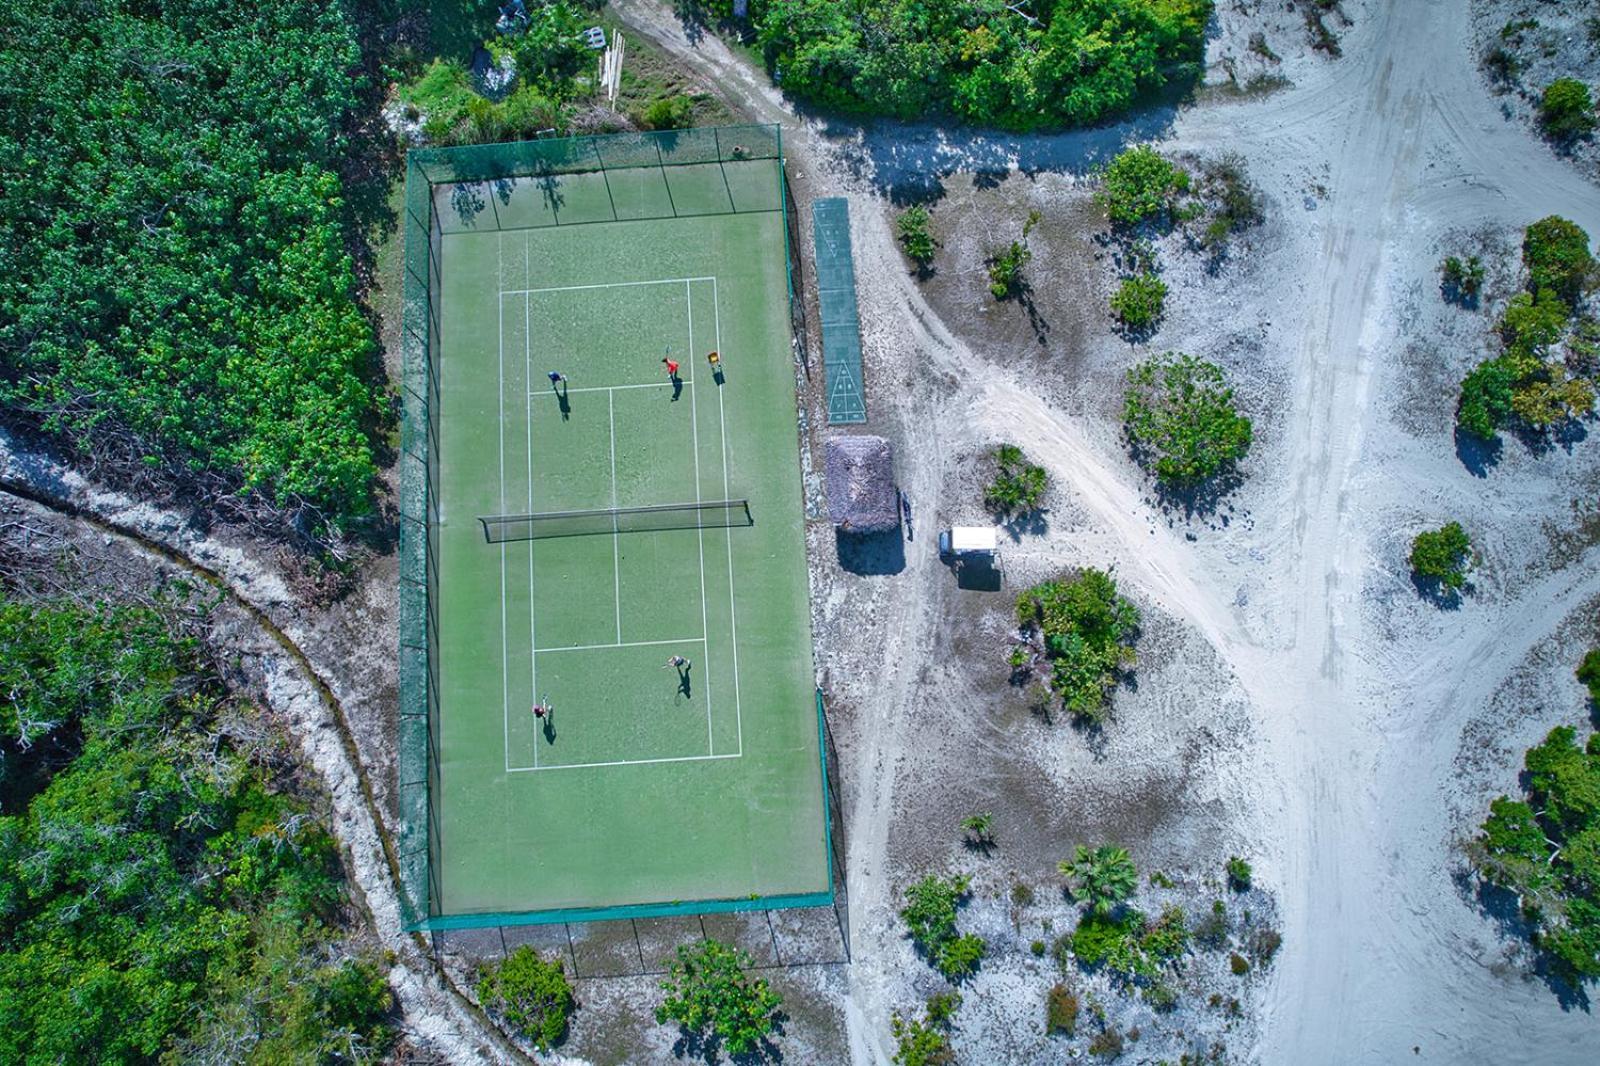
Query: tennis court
point(649, 787)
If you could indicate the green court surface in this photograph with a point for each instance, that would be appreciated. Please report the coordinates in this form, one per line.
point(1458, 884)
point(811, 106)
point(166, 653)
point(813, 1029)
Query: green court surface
point(647, 787)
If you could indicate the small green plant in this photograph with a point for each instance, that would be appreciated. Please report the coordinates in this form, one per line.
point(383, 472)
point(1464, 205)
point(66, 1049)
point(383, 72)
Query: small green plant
point(958, 957)
point(1061, 1011)
point(1442, 555)
point(1460, 280)
point(1180, 420)
point(1139, 184)
point(916, 236)
point(531, 994)
point(1238, 964)
point(1005, 265)
point(1264, 944)
point(1038, 949)
point(920, 1043)
point(978, 829)
point(1018, 485)
point(669, 113)
point(1566, 111)
point(942, 1008)
point(709, 994)
point(1238, 873)
point(1159, 879)
point(1101, 877)
point(1139, 301)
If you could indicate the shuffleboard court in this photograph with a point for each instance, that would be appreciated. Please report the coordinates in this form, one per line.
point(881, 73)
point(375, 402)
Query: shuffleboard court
point(648, 785)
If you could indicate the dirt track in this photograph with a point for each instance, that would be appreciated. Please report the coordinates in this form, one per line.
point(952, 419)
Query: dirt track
point(1365, 699)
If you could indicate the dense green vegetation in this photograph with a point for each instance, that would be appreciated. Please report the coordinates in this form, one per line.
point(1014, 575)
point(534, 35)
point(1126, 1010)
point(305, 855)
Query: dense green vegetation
point(1018, 485)
point(1180, 419)
point(1442, 555)
point(1566, 111)
point(158, 896)
point(532, 994)
point(1045, 64)
point(710, 996)
point(1545, 848)
point(1588, 673)
point(1530, 384)
point(930, 917)
point(1086, 631)
point(175, 280)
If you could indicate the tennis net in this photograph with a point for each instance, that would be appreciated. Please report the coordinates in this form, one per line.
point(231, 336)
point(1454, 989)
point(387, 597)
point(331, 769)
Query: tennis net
point(710, 514)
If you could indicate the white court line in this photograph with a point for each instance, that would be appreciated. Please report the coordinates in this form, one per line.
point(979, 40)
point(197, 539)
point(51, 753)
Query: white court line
point(629, 644)
point(694, 421)
point(614, 388)
point(616, 542)
point(604, 285)
point(733, 609)
point(500, 399)
point(527, 376)
point(619, 762)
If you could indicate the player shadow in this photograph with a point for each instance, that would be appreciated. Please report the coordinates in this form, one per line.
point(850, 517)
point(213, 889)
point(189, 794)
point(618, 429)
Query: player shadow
point(677, 387)
point(563, 402)
point(549, 728)
point(685, 682)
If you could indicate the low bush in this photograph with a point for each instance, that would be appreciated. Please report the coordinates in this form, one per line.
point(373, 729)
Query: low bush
point(1238, 964)
point(531, 994)
point(1233, 200)
point(1556, 253)
point(1018, 485)
point(668, 113)
point(1107, 1044)
point(1061, 1011)
point(1140, 185)
point(1442, 555)
point(1566, 111)
point(1264, 944)
point(1005, 265)
point(1588, 673)
point(930, 917)
point(1180, 420)
point(1139, 301)
point(914, 228)
point(1238, 874)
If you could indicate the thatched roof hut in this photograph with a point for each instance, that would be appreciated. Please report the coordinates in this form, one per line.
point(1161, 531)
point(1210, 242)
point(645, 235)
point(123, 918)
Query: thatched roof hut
point(861, 492)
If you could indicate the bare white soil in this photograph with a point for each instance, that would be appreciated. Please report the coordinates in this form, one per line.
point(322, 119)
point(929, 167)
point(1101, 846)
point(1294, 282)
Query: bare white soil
point(1299, 702)
point(1547, 41)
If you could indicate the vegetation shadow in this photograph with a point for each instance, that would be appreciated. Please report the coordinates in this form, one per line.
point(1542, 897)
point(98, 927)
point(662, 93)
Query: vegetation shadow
point(694, 1045)
point(1477, 454)
point(1438, 593)
point(1201, 500)
point(1501, 906)
point(1034, 523)
point(871, 554)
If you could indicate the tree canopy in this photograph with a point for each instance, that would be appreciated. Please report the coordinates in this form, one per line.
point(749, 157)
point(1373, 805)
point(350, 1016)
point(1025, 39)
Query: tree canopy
point(175, 272)
point(1087, 629)
point(710, 995)
point(1045, 64)
point(157, 894)
point(1179, 416)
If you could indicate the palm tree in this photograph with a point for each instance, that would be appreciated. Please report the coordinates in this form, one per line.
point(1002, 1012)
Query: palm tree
point(1102, 877)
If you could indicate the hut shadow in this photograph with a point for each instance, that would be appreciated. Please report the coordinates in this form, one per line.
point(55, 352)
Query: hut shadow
point(871, 554)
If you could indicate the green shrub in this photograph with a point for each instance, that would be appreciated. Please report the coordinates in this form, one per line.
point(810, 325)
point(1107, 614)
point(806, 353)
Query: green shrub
point(1442, 555)
point(914, 227)
point(1180, 420)
point(1139, 184)
point(1088, 630)
point(1037, 948)
point(1556, 253)
point(531, 994)
point(978, 829)
point(920, 1044)
point(1103, 940)
point(1234, 200)
point(1589, 673)
point(942, 1008)
point(1264, 944)
point(1018, 486)
point(708, 993)
point(958, 957)
point(1238, 964)
point(1139, 301)
point(930, 917)
point(1005, 265)
point(669, 113)
point(1566, 111)
point(1239, 873)
point(1486, 395)
point(1061, 1011)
